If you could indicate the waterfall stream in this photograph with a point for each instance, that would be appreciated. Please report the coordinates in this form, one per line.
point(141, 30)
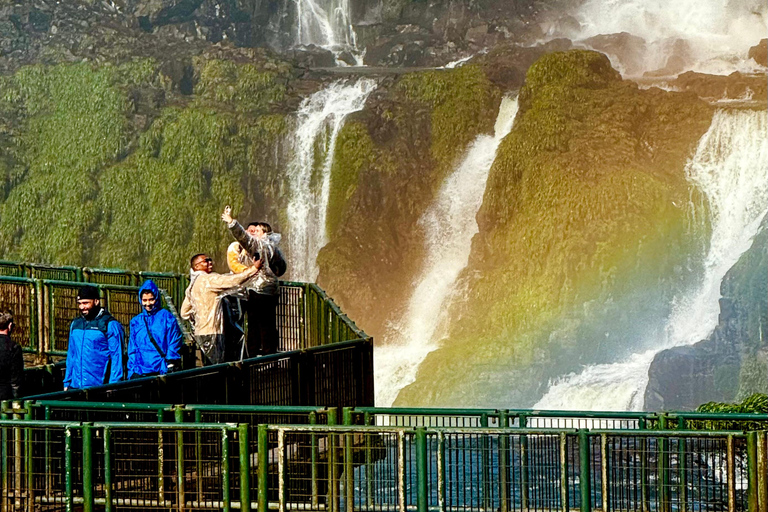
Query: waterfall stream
point(320, 118)
point(730, 168)
point(449, 225)
point(328, 24)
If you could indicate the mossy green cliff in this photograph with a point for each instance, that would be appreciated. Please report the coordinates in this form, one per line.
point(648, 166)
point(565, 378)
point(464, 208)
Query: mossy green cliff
point(110, 165)
point(585, 193)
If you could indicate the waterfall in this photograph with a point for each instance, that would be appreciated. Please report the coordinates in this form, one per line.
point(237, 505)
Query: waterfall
point(718, 34)
point(449, 225)
point(730, 168)
point(328, 24)
point(320, 118)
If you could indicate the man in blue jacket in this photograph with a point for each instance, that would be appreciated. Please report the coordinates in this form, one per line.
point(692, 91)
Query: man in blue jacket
point(95, 352)
point(155, 340)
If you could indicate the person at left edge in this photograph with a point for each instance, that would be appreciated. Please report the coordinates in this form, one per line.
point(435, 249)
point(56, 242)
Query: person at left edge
point(155, 337)
point(95, 352)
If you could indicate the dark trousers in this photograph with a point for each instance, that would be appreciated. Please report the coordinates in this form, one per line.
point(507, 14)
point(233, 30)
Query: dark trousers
point(262, 337)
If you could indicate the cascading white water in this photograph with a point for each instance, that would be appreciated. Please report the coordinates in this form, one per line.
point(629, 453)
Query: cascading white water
point(730, 168)
point(449, 225)
point(320, 118)
point(328, 24)
point(719, 34)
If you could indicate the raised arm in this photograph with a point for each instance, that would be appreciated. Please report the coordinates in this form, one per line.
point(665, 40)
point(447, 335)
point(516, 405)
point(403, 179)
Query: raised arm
point(249, 243)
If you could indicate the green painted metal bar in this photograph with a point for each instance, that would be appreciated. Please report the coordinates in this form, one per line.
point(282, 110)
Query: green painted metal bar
point(263, 469)
point(564, 505)
point(108, 484)
point(314, 457)
point(225, 481)
point(604, 471)
point(485, 464)
point(762, 471)
point(349, 476)
point(422, 474)
point(199, 456)
point(731, 472)
point(441, 469)
point(178, 414)
point(752, 475)
point(524, 487)
point(663, 467)
point(4, 455)
point(29, 460)
point(504, 465)
point(585, 485)
point(682, 469)
point(245, 467)
point(87, 468)
point(68, 495)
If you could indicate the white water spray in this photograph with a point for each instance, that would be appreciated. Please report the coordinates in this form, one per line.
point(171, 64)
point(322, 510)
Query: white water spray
point(320, 118)
point(328, 24)
point(719, 33)
point(730, 168)
point(449, 225)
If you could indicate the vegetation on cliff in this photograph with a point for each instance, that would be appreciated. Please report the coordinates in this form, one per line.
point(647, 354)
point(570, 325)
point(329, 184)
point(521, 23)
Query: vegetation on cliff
point(106, 165)
point(586, 192)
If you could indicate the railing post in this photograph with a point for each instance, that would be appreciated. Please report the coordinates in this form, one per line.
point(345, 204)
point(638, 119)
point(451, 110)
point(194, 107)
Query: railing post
point(29, 463)
point(563, 472)
point(225, 483)
point(178, 414)
point(485, 463)
point(281, 471)
point(762, 471)
point(504, 462)
point(68, 502)
point(682, 468)
point(584, 472)
point(3, 456)
point(263, 469)
point(401, 462)
point(349, 476)
point(604, 470)
point(731, 469)
point(107, 469)
point(663, 467)
point(524, 491)
point(313, 460)
point(346, 414)
point(752, 475)
point(422, 476)
point(441, 471)
point(87, 468)
point(245, 468)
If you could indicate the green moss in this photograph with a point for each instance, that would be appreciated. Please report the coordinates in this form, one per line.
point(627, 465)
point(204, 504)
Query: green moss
point(354, 152)
point(460, 100)
point(584, 195)
point(244, 87)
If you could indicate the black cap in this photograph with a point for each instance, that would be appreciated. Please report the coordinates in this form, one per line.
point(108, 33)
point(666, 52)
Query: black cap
point(88, 292)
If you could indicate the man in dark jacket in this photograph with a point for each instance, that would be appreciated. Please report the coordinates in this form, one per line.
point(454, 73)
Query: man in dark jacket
point(11, 360)
point(155, 339)
point(95, 352)
point(263, 289)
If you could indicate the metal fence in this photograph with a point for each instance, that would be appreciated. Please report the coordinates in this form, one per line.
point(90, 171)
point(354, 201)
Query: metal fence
point(337, 375)
point(44, 307)
point(204, 466)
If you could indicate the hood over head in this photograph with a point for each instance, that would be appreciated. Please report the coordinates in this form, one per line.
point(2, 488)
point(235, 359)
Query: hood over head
point(150, 286)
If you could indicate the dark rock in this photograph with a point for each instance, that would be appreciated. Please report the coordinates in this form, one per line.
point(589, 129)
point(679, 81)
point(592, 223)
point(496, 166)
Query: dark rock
point(734, 86)
point(759, 52)
point(625, 50)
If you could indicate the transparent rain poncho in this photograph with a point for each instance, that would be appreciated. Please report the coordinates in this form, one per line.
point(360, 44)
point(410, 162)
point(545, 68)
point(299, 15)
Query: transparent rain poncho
point(267, 249)
point(206, 310)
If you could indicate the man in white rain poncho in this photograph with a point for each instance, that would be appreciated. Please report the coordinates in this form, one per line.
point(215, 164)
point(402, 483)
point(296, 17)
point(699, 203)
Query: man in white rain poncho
point(203, 305)
point(263, 290)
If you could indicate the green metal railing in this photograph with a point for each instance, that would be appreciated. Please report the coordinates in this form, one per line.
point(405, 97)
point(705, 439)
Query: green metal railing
point(44, 307)
point(223, 466)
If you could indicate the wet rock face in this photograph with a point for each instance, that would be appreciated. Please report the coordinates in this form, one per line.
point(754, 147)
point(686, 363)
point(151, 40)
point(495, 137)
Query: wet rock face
point(733, 362)
point(715, 87)
point(759, 53)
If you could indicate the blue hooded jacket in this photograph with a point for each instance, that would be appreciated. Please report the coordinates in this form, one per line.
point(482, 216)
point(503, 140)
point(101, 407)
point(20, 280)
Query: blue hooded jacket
point(95, 351)
point(143, 357)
